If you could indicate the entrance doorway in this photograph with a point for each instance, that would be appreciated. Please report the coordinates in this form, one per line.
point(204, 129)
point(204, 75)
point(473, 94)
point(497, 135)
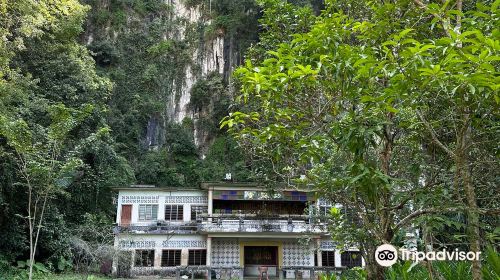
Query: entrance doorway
point(257, 256)
point(126, 215)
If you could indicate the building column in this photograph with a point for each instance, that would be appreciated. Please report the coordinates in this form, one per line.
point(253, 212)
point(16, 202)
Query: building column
point(338, 258)
point(209, 251)
point(157, 259)
point(161, 208)
point(210, 205)
point(318, 252)
point(184, 256)
point(210, 202)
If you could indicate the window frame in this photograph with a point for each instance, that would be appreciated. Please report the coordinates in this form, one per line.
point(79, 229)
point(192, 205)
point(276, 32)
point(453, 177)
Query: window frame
point(151, 208)
point(330, 257)
point(200, 253)
point(177, 255)
point(193, 211)
point(350, 260)
point(178, 214)
point(150, 258)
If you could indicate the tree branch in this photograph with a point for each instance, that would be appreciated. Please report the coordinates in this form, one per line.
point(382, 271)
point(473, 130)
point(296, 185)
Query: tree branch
point(410, 196)
point(434, 136)
point(445, 22)
point(421, 212)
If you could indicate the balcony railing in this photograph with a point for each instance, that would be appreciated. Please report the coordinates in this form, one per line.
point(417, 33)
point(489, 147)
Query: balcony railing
point(159, 227)
point(253, 223)
point(230, 223)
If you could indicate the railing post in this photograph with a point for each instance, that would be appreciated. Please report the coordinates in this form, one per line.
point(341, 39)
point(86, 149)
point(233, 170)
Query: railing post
point(177, 273)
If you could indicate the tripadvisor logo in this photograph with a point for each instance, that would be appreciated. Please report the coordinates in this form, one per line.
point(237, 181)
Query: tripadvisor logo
point(387, 255)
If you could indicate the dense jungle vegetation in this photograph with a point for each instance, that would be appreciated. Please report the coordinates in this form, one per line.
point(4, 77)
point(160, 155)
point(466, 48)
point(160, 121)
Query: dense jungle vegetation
point(390, 108)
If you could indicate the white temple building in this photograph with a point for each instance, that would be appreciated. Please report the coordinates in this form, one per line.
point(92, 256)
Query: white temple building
point(224, 230)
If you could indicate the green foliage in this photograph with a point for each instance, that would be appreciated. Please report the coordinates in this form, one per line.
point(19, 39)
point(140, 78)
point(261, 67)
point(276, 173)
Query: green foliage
point(204, 90)
point(449, 270)
point(63, 264)
point(37, 266)
point(174, 164)
point(280, 17)
point(346, 103)
point(491, 269)
point(222, 157)
point(154, 169)
point(54, 142)
point(446, 269)
point(235, 20)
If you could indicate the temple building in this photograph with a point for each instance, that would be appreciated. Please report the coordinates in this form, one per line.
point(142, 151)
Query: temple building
point(230, 230)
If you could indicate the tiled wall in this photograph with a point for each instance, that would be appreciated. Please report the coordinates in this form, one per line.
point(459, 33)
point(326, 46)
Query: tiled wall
point(225, 252)
point(295, 254)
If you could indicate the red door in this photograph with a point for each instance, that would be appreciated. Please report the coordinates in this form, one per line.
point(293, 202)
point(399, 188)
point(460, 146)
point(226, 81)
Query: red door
point(126, 215)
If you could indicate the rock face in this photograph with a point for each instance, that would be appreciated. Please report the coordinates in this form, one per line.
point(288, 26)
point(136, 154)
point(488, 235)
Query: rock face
point(208, 57)
point(155, 55)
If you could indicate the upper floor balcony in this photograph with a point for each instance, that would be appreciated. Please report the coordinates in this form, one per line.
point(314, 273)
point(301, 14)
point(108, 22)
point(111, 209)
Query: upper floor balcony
point(261, 224)
point(157, 227)
point(226, 223)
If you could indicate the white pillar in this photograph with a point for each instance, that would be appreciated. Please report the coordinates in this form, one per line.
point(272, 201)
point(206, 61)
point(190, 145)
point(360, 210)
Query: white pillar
point(157, 259)
point(184, 256)
point(210, 204)
point(209, 251)
point(318, 252)
point(161, 208)
point(338, 259)
point(186, 212)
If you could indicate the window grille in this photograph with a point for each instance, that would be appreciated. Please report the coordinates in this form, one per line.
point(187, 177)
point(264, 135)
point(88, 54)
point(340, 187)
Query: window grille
point(171, 257)
point(328, 258)
point(174, 212)
point(144, 258)
point(197, 257)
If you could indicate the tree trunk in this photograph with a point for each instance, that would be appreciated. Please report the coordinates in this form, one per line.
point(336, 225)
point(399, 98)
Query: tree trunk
point(30, 275)
point(373, 269)
point(427, 238)
point(30, 222)
point(462, 161)
point(374, 272)
point(473, 222)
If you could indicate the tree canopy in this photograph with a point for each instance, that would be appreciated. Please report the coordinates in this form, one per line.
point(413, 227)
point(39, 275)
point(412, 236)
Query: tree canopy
point(390, 109)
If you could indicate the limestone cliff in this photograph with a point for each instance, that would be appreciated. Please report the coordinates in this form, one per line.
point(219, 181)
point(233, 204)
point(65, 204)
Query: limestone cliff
point(155, 52)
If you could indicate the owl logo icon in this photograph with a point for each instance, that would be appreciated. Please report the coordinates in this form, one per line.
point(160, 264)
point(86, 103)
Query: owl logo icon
point(386, 255)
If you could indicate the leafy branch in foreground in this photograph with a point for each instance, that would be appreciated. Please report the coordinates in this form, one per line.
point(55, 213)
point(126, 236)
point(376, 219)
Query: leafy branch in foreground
point(391, 115)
